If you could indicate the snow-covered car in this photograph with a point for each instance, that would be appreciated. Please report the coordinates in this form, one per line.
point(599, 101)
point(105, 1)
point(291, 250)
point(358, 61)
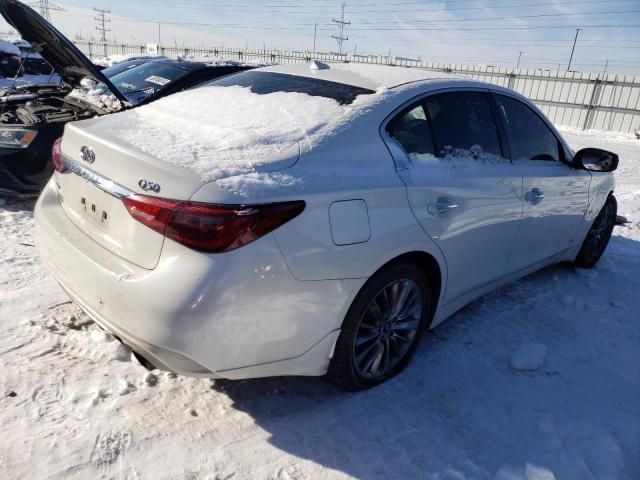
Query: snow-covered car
point(304, 220)
point(34, 115)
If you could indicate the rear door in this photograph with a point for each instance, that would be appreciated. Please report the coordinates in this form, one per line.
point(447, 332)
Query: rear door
point(466, 196)
point(556, 194)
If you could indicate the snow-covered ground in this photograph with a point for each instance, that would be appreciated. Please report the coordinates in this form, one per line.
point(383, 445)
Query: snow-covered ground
point(540, 380)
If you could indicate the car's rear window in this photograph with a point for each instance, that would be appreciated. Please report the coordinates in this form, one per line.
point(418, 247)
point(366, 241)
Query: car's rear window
point(271, 82)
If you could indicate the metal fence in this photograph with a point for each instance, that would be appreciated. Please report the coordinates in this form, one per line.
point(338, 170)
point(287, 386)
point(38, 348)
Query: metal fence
point(575, 99)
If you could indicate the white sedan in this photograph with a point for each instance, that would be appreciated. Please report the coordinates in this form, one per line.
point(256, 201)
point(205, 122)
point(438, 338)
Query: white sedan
point(312, 219)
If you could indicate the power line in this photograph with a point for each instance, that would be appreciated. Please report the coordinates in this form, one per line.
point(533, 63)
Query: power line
point(340, 38)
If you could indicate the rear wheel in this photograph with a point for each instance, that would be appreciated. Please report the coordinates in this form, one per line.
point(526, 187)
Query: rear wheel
point(382, 328)
point(598, 237)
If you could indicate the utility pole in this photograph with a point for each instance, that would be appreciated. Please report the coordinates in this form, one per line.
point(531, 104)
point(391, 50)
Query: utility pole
point(101, 27)
point(159, 35)
point(315, 33)
point(45, 8)
point(519, 57)
point(573, 49)
point(340, 38)
point(606, 65)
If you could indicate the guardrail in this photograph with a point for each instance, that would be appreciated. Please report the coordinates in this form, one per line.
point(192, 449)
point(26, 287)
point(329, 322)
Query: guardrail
point(575, 99)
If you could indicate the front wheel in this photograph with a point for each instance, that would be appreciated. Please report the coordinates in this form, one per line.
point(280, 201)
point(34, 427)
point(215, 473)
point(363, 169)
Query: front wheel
point(382, 328)
point(598, 237)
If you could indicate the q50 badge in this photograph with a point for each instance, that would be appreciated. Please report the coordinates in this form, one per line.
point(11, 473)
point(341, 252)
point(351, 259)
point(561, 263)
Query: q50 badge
point(148, 186)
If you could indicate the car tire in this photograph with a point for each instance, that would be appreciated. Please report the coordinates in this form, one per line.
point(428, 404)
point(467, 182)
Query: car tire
point(382, 328)
point(599, 235)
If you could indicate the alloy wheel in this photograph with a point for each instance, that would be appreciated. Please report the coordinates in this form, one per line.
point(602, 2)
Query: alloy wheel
point(600, 232)
point(387, 329)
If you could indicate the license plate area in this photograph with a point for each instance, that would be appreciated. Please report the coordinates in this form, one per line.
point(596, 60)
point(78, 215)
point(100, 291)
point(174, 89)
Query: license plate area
point(105, 219)
point(88, 206)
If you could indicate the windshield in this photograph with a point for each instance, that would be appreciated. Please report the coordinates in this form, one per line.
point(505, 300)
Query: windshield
point(121, 67)
point(270, 82)
point(140, 82)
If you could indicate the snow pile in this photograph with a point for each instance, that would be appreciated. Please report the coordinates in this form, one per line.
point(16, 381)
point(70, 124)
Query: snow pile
point(8, 47)
point(220, 132)
point(529, 356)
point(112, 60)
point(97, 97)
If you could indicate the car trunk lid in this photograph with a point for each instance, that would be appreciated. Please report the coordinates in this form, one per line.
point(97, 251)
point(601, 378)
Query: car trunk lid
point(101, 171)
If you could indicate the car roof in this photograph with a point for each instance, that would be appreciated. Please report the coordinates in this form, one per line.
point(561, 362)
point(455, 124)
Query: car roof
point(191, 66)
point(372, 77)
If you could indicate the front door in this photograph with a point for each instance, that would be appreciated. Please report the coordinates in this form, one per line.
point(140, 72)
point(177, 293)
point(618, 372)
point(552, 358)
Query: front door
point(556, 194)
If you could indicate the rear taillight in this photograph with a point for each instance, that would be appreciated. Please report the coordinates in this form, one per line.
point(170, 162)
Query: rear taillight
point(56, 156)
point(209, 227)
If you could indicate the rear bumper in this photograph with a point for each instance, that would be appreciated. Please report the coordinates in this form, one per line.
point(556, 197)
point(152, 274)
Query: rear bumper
point(234, 315)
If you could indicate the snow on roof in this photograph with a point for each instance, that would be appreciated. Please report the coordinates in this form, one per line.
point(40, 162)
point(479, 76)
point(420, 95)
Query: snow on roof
point(112, 60)
point(9, 48)
point(372, 77)
point(220, 62)
point(224, 131)
point(232, 135)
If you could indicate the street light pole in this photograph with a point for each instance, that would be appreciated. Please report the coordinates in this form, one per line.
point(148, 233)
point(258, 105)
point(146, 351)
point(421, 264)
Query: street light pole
point(573, 49)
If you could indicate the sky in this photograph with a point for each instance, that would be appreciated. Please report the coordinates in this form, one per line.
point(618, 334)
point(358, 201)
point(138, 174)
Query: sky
point(475, 32)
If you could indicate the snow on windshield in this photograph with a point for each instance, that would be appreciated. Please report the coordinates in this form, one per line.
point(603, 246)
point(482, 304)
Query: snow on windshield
point(223, 131)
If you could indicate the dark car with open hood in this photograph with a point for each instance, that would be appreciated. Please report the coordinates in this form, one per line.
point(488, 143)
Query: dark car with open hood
point(32, 117)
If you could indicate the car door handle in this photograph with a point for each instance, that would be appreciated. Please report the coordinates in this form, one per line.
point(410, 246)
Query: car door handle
point(441, 206)
point(534, 196)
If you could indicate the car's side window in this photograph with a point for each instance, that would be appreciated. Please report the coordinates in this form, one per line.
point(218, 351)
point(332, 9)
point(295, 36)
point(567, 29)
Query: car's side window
point(463, 121)
point(411, 130)
point(529, 136)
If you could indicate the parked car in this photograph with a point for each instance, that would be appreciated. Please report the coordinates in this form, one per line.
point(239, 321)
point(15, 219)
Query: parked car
point(33, 116)
point(32, 61)
point(9, 59)
point(302, 221)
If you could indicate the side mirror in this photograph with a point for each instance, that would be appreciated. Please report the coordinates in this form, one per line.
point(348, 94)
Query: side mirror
point(596, 160)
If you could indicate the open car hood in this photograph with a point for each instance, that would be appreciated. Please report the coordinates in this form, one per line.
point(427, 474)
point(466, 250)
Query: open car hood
point(70, 63)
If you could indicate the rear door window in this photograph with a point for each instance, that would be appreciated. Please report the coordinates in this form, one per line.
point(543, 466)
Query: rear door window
point(529, 136)
point(411, 130)
point(463, 121)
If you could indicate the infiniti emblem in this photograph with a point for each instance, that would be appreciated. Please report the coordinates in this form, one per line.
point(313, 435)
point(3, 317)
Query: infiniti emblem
point(87, 154)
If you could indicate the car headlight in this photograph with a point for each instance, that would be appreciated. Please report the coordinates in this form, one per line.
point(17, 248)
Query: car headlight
point(16, 137)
